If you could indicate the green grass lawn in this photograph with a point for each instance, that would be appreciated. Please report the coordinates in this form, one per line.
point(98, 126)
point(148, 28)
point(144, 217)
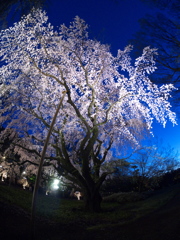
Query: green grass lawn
point(68, 211)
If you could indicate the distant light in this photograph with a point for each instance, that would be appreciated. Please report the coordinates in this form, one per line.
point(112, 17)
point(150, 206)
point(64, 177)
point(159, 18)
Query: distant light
point(0, 166)
point(55, 184)
point(4, 157)
point(56, 181)
point(24, 172)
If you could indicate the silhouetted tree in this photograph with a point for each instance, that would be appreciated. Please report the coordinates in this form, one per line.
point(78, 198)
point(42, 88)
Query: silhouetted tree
point(162, 30)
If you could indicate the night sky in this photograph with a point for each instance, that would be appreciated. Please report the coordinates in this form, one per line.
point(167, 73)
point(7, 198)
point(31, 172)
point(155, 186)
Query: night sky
point(110, 21)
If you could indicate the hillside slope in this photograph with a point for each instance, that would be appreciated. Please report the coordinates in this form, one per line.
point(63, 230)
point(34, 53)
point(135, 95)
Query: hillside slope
point(161, 224)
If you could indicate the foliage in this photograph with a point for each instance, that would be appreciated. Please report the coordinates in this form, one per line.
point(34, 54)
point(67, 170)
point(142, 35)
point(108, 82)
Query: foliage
point(150, 163)
point(103, 109)
point(124, 197)
point(161, 30)
point(146, 169)
point(15, 9)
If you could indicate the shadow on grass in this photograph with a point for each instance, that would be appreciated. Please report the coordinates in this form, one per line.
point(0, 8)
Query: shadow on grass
point(57, 217)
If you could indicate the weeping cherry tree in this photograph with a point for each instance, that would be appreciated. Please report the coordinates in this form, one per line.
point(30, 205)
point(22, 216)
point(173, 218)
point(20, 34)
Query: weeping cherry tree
point(109, 100)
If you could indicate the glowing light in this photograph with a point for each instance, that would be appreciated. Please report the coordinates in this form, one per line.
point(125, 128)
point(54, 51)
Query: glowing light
point(56, 181)
point(55, 184)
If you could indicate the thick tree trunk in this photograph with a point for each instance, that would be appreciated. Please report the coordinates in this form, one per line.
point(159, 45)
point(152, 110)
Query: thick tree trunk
point(93, 202)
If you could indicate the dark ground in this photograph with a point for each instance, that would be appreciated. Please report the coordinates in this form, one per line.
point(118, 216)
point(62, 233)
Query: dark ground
point(163, 224)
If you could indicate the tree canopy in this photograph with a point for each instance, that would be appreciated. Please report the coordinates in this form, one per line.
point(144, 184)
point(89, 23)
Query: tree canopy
point(109, 100)
point(161, 30)
point(14, 9)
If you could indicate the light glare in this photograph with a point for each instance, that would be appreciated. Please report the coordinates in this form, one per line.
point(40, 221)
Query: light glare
point(55, 184)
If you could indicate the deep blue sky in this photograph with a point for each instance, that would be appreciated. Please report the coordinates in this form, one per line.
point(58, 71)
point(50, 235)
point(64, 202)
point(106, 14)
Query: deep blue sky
point(113, 22)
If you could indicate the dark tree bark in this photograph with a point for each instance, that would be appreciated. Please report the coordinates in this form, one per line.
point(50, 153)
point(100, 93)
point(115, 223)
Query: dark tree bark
point(92, 201)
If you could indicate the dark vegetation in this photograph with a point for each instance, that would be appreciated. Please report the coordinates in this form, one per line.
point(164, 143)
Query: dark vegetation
point(127, 216)
point(160, 30)
point(140, 183)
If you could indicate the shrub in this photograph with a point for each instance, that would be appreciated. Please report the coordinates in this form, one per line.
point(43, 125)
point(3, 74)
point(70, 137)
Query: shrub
point(123, 197)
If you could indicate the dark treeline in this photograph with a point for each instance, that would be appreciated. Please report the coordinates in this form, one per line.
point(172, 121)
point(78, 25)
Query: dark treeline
point(139, 183)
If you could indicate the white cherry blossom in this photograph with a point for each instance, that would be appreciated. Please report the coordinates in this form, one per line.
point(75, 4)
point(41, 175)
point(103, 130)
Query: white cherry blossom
point(109, 100)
